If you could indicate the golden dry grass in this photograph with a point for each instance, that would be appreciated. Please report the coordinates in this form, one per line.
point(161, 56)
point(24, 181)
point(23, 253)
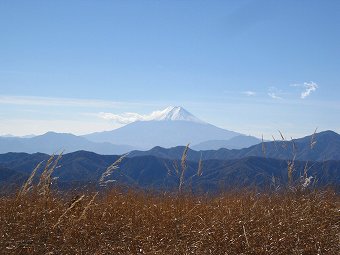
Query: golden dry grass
point(135, 222)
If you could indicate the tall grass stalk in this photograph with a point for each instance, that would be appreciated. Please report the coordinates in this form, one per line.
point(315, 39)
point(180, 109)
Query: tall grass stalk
point(45, 181)
point(28, 185)
point(184, 166)
point(108, 172)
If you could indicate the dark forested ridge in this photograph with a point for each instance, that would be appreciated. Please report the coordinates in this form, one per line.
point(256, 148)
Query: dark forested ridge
point(80, 168)
point(319, 147)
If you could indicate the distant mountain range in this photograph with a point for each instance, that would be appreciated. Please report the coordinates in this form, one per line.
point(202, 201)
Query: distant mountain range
point(83, 168)
point(52, 142)
point(25, 136)
point(237, 142)
point(318, 147)
point(228, 158)
point(171, 127)
point(257, 165)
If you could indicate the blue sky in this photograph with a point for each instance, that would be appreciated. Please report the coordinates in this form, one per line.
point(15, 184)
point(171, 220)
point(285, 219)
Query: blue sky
point(241, 65)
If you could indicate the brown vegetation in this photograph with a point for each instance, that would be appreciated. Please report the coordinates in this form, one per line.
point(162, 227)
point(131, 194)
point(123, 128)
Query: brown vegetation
point(134, 222)
point(119, 221)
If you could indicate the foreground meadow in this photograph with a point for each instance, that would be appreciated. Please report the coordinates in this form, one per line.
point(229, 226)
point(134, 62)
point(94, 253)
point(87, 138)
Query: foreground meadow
point(135, 222)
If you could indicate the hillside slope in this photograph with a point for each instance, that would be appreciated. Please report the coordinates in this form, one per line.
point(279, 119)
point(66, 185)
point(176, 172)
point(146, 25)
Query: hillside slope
point(82, 168)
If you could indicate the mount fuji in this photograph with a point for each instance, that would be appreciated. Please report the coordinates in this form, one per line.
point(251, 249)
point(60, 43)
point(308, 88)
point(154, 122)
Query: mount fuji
point(173, 126)
point(175, 113)
point(170, 127)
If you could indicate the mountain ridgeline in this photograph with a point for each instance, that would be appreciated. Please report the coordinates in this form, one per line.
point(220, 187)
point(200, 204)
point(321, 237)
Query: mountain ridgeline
point(156, 146)
point(52, 142)
point(260, 165)
point(318, 147)
point(171, 127)
point(83, 168)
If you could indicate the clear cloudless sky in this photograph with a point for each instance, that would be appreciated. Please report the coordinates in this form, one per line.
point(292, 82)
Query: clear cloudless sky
point(241, 65)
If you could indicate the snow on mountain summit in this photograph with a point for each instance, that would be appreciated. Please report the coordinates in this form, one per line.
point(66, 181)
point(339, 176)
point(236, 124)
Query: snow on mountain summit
point(175, 113)
point(171, 113)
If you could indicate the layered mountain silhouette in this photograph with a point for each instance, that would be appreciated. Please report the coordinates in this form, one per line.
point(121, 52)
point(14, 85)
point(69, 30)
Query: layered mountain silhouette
point(318, 147)
point(258, 165)
point(84, 168)
point(237, 142)
point(170, 127)
point(229, 158)
point(52, 142)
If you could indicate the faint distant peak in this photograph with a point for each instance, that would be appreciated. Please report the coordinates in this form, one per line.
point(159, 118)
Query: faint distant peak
point(7, 135)
point(13, 136)
point(176, 113)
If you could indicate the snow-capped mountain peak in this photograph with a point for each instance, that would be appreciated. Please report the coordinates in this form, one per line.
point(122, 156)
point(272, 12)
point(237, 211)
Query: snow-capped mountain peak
point(171, 113)
point(175, 113)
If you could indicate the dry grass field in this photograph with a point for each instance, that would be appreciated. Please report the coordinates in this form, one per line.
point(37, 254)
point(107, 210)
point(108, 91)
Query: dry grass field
point(136, 222)
point(40, 220)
